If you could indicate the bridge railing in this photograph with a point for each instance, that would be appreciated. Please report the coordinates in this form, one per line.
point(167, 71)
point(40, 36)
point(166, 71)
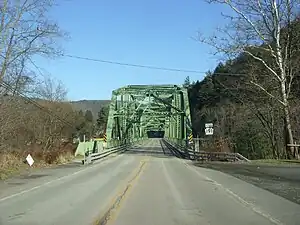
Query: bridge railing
point(115, 143)
point(90, 157)
point(119, 147)
point(183, 151)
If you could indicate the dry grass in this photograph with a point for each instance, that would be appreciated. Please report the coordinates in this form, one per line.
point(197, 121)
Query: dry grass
point(13, 162)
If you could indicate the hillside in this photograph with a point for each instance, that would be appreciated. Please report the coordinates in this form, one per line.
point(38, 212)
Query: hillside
point(93, 105)
point(243, 100)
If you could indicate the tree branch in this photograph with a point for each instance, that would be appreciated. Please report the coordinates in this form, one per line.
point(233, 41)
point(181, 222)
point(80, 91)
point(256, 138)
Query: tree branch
point(265, 64)
point(269, 94)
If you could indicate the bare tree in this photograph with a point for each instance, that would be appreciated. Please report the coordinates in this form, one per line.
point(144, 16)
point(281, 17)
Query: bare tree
point(18, 79)
point(59, 114)
point(26, 31)
point(50, 89)
point(263, 30)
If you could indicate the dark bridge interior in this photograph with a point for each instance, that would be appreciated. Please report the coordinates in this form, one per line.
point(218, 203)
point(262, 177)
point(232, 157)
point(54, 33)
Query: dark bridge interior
point(155, 134)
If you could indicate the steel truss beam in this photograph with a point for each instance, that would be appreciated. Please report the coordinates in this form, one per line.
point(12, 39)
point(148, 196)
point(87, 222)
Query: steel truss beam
point(136, 109)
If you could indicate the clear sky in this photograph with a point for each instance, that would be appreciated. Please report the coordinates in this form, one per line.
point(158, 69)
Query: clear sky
point(151, 32)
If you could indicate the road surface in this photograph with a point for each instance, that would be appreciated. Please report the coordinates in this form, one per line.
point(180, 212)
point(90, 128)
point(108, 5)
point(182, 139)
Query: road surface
point(144, 186)
point(282, 180)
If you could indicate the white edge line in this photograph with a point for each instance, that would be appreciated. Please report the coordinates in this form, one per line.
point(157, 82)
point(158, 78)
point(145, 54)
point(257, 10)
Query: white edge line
point(47, 183)
point(240, 199)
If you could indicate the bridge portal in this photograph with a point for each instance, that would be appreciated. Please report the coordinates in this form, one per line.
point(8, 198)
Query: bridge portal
point(148, 111)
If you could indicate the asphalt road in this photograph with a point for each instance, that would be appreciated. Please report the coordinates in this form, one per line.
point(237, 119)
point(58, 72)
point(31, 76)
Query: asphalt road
point(282, 180)
point(143, 186)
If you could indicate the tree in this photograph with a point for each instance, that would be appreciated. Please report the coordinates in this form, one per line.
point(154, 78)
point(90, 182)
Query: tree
point(251, 123)
point(187, 82)
point(26, 31)
point(264, 31)
point(84, 124)
point(50, 89)
point(43, 121)
point(57, 116)
point(89, 116)
point(102, 119)
point(19, 78)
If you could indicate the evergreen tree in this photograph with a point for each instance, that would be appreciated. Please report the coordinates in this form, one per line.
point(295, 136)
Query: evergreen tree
point(102, 119)
point(187, 82)
point(89, 116)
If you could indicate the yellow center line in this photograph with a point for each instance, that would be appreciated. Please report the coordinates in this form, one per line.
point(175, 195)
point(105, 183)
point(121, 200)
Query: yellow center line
point(115, 204)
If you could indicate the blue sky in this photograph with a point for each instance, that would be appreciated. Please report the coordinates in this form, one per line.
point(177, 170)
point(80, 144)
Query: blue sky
point(151, 32)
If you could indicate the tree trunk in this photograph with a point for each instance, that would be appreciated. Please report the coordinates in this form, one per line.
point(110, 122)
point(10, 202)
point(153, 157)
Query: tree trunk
point(288, 125)
point(286, 108)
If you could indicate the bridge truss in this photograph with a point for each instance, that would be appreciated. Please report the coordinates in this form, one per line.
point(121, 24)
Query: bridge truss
point(137, 110)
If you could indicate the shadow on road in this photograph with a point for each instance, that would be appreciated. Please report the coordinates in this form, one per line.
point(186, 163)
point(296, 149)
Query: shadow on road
point(159, 151)
point(156, 151)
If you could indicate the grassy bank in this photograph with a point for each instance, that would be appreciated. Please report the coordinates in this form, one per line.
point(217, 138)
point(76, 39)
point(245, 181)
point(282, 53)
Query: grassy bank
point(13, 162)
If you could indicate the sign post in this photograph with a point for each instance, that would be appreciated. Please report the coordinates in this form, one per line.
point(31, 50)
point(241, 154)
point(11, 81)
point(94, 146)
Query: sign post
point(30, 162)
point(197, 144)
point(84, 151)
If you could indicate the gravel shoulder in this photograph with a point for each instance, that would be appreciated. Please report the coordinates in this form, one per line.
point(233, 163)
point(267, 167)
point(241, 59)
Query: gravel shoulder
point(282, 180)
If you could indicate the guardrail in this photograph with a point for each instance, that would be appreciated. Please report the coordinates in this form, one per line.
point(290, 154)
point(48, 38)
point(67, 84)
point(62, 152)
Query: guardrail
point(220, 156)
point(184, 152)
point(176, 149)
point(91, 157)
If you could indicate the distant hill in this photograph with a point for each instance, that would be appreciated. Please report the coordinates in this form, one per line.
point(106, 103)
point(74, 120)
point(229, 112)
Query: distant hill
point(93, 105)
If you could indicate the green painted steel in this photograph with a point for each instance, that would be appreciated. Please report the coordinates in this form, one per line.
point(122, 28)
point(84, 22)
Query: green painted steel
point(89, 146)
point(84, 147)
point(136, 109)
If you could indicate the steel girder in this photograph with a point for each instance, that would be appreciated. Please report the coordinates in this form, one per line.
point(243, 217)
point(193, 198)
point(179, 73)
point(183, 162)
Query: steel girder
point(136, 109)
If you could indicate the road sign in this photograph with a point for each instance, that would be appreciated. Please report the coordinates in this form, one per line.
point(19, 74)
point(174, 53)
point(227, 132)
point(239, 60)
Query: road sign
point(29, 160)
point(104, 138)
point(190, 138)
point(209, 125)
point(209, 131)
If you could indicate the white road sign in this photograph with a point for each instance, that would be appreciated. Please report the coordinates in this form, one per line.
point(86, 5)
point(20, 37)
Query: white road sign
point(29, 160)
point(209, 131)
point(209, 125)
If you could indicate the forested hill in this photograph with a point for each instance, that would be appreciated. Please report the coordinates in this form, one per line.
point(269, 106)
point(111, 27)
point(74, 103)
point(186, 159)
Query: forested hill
point(247, 118)
point(93, 105)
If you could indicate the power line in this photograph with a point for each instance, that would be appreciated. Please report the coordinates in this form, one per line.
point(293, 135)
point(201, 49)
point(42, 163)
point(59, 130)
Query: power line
point(35, 66)
point(35, 103)
point(146, 66)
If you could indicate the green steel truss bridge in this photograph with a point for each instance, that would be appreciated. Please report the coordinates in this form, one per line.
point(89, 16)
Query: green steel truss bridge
point(141, 111)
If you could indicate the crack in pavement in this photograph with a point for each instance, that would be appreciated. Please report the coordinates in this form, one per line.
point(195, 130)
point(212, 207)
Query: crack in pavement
point(116, 204)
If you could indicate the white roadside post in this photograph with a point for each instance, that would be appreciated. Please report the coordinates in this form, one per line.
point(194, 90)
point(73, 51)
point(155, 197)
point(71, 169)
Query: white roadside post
point(30, 162)
point(197, 144)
